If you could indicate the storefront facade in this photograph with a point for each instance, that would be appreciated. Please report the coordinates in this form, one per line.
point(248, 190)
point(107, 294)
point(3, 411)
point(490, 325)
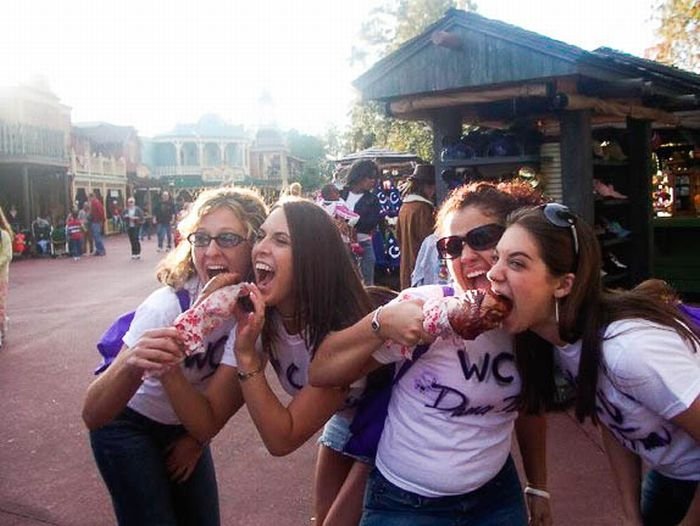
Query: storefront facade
point(583, 121)
point(34, 139)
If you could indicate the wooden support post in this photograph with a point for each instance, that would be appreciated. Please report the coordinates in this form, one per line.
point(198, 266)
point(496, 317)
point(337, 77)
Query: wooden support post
point(640, 197)
point(444, 122)
point(577, 162)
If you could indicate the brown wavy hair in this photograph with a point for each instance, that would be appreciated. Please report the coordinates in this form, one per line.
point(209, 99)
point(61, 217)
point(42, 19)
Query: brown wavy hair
point(494, 199)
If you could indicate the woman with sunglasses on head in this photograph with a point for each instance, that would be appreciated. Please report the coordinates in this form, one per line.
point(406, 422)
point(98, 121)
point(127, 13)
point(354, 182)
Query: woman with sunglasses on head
point(149, 424)
point(444, 454)
point(632, 355)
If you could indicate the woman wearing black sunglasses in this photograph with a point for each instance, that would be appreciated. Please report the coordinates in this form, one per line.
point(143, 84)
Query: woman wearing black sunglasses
point(444, 454)
point(632, 355)
point(152, 453)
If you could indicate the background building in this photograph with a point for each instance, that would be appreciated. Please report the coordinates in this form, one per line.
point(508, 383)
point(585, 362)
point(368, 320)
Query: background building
point(34, 140)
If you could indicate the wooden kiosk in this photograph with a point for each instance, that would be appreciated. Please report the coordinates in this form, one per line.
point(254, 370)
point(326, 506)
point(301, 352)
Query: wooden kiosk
point(469, 70)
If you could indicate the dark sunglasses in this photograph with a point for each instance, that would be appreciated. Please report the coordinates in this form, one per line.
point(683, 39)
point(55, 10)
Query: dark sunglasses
point(482, 237)
point(225, 240)
point(562, 216)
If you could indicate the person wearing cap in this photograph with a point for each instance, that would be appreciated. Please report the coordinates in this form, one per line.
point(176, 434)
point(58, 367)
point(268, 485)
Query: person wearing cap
point(358, 195)
point(416, 217)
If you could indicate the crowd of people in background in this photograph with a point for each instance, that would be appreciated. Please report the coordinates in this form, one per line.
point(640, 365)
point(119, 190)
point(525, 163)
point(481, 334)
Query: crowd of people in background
point(335, 341)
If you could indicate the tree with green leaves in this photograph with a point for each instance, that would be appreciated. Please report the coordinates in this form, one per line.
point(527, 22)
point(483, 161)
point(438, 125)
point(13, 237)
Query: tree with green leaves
point(388, 27)
point(312, 150)
point(679, 33)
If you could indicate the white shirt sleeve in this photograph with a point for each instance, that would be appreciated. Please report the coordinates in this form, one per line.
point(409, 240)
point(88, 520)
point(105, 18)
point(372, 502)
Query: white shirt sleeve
point(654, 365)
point(158, 310)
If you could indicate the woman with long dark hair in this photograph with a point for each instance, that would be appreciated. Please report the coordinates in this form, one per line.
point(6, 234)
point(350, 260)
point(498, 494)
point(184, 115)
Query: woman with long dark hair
point(632, 355)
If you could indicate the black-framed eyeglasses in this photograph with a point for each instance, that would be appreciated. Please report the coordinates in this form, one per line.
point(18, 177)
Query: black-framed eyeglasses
point(224, 240)
point(561, 216)
point(483, 237)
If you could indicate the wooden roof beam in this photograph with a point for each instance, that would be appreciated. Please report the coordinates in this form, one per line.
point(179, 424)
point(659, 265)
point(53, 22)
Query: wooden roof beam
point(419, 103)
point(565, 101)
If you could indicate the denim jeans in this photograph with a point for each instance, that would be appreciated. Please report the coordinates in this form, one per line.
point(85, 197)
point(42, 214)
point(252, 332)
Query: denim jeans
point(367, 261)
point(164, 230)
point(665, 501)
point(96, 229)
point(75, 247)
point(130, 453)
point(133, 232)
point(499, 502)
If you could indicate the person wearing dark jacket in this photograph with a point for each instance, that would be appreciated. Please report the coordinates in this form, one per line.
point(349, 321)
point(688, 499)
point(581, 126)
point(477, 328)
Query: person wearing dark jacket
point(164, 217)
point(358, 195)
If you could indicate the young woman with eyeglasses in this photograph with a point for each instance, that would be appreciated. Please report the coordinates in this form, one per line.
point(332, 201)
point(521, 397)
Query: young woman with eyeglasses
point(149, 434)
point(632, 355)
point(444, 454)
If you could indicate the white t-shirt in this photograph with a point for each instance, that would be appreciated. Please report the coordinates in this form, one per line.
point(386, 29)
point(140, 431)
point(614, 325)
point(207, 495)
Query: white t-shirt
point(649, 375)
point(291, 363)
point(450, 419)
point(160, 310)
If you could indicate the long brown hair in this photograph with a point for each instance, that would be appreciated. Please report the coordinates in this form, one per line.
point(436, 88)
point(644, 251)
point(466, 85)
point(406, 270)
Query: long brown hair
point(327, 290)
point(588, 309)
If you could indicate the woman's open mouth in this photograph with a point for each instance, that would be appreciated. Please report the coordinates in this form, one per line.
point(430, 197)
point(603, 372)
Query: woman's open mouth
point(215, 270)
point(477, 280)
point(263, 274)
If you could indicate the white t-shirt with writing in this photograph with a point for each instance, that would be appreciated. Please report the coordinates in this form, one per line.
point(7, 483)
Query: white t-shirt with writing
point(649, 375)
point(291, 363)
point(450, 419)
point(160, 310)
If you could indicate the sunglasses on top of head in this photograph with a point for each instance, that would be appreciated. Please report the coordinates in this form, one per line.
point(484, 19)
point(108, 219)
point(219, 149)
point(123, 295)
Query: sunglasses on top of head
point(561, 216)
point(483, 237)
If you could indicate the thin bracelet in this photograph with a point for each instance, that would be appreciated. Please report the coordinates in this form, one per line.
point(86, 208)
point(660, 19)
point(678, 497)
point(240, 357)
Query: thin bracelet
point(529, 490)
point(242, 377)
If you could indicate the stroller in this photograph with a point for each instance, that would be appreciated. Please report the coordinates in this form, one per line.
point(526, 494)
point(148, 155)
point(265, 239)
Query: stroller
point(41, 236)
point(59, 241)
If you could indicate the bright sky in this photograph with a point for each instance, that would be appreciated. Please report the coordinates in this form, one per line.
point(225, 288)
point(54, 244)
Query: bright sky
point(154, 63)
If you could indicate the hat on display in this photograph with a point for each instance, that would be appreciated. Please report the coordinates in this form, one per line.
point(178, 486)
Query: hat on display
point(423, 173)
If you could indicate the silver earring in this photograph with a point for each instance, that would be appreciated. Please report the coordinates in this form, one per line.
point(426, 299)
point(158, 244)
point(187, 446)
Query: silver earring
point(556, 310)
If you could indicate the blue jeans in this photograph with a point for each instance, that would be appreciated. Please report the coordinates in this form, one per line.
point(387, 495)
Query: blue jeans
point(130, 454)
point(164, 230)
point(75, 247)
point(499, 502)
point(96, 229)
point(367, 261)
point(665, 501)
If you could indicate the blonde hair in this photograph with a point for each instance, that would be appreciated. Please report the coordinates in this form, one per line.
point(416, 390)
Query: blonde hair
point(247, 204)
point(295, 189)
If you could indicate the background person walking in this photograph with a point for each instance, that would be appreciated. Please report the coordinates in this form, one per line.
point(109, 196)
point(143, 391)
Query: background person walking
point(133, 218)
point(359, 197)
point(97, 219)
point(164, 216)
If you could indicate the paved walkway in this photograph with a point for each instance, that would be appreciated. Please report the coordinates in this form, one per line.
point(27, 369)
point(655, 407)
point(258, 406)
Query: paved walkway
point(58, 309)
